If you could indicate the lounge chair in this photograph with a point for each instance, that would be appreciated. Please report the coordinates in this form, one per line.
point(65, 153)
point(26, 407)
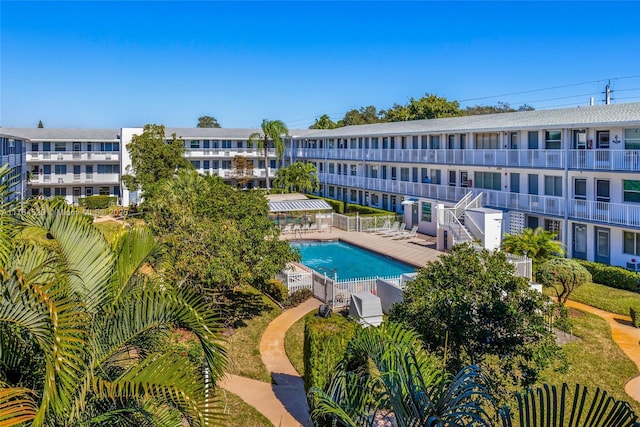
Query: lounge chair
point(407, 234)
point(385, 227)
point(400, 230)
point(392, 229)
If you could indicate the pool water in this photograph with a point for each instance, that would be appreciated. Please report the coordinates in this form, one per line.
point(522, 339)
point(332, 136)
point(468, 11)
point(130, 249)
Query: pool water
point(349, 261)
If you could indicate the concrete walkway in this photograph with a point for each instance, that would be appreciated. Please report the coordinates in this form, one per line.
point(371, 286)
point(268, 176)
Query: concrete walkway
point(625, 335)
point(283, 402)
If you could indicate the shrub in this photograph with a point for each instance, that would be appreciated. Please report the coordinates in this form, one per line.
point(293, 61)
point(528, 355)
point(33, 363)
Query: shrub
point(275, 289)
point(325, 341)
point(297, 297)
point(337, 205)
point(97, 202)
point(614, 277)
point(635, 317)
point(366, 210)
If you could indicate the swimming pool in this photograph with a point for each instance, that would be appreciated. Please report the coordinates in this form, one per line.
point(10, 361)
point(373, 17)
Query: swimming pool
point(348, 261)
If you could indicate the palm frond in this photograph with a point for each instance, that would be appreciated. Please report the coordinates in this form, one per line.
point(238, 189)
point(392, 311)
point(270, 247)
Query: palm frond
point(17, 406)
point(130, 248)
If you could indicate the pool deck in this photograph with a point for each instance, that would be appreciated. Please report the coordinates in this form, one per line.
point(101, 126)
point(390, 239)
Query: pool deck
point(416, 251)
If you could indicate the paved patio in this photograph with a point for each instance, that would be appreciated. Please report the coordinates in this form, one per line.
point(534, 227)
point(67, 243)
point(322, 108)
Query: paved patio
point(416, 251)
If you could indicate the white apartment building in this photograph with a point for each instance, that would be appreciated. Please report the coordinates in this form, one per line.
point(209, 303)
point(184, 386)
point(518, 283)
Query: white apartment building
point(575, 170)
point(13, 153)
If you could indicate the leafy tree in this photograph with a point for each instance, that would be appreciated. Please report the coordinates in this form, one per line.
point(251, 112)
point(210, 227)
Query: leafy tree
point(208, 122)
point(563, 275)
point(501, 107)
point(525, 107)
point(323, 122)
point(429, 106)
point(40, 125)
point(470, 308)
point(297, 177)
point(153, 158)
point(273, 131)
point(218, 237)
point(387, 378)
point(242, 169)
point(363, 116)
point(538, 244)
point(74, 314)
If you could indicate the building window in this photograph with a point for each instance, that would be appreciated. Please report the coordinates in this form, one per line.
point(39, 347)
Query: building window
point(464, 179)
point(108, 169)
point(46, 146)
point(34, 146)
point(553, 186)
point(196, 163)
point(435, 142)
point(631, 244)
point(631, 139)
point(332, 168)
point(404, 174)
point(103, 191)
point(353, 196)
point(487, 141)
point(426, 212)
point(60, 146)
point(62, 191)
point(354, 170)
point(513, 140)
point(553, 226)
point(435, 176)
point(109, 146)
point(463, 141)
point(631, 191)
point(515, 183)
point(580, 189)
point(332, 191)
point(552, 140)
point(195, 144)
point(207, 165)
point(451, 143)
point(487, 180)
point(375, 199)
point(414, 142)
point(452, 178)
point(424, 141)
point(116, 191)
point(60, 169)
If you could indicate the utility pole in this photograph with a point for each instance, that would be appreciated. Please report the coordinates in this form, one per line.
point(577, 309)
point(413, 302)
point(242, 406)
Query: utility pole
point(607, 93)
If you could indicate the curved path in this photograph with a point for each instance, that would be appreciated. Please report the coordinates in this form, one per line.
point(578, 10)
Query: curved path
point(283, 402)
point(625, 335)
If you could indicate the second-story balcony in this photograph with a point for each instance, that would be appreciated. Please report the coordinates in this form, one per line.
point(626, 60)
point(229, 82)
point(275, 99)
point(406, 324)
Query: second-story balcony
point(612, 160)
point(74, 179)
point(625, 214)
point(230, 153)
point(73, 156)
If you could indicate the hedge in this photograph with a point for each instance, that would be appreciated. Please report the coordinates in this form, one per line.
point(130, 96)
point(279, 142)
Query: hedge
point(97, 202)
point(337, 205)
point(325, 341)
point(635, 317)
point(614, 277)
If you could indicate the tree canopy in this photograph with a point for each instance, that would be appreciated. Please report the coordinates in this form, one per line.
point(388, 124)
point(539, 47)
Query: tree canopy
point(563, 275)
point(218, 237)
point(500, 107)
point(208, 122)
point(362, 116)
point(323, 122)
point(470, 308)
point(153, 159)
point(429, 106)
point(40, 124)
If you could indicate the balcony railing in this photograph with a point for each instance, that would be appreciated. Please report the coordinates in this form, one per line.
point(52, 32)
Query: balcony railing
point(228, 152)
point(73, 156)
point(71, 178)
point(626, 214)
point(613, 160)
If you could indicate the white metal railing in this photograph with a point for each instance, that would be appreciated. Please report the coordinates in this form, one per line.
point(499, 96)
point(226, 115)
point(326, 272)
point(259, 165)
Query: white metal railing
point(604, 159)
point(626, 214)
point(35, 156)
point(522, 264)
point(296, 280)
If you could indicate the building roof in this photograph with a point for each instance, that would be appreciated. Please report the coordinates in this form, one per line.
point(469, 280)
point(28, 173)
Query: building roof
point(299, 205)
point(590, 116)
point(64, 134)
point(224, 133)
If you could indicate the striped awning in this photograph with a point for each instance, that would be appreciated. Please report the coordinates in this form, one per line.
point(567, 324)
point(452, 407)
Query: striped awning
point(299, 205)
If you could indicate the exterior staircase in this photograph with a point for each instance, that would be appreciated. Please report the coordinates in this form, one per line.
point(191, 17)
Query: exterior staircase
point(453, 218)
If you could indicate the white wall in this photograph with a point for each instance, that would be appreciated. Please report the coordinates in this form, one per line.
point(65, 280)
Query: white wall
point(126, 134)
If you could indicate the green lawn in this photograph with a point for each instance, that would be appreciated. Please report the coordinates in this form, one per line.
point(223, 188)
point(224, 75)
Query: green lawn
point(294, 343)
point(603, 297)
point(243, 347)
point(240, 413)
point(595, 360)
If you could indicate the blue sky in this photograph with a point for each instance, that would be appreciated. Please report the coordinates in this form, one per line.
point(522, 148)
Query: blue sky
point(119, 64)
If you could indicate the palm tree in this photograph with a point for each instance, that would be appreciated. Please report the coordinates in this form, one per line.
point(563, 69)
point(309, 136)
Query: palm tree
point(299, 176)
point(274, 131)
point(538, 244)
point(386, 376)
point(74, 315)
